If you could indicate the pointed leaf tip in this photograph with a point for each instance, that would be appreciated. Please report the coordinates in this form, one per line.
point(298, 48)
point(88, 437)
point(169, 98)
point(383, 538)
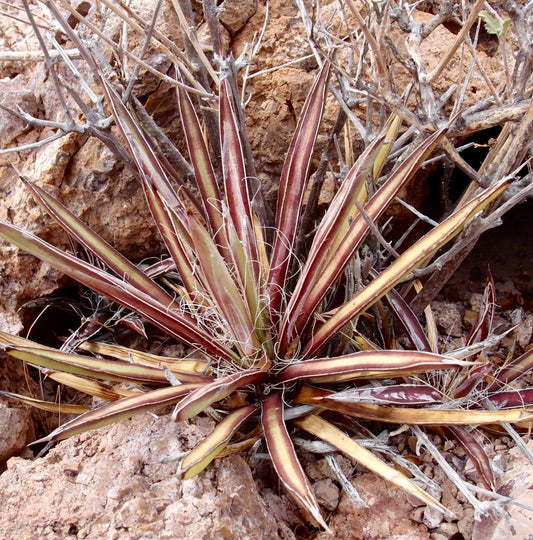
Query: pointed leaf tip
point(284, 457)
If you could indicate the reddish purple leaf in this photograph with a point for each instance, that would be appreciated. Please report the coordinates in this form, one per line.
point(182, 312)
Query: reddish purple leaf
point(292, 187)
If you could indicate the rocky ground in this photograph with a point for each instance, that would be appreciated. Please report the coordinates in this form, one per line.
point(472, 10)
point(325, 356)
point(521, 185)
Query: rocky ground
point(118, 482)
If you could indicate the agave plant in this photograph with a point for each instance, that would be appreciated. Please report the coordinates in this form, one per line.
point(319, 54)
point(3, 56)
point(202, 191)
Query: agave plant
point(277, 334)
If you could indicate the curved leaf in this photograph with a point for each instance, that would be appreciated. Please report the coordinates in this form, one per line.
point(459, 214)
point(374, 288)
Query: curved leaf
point(367, 365)
point(110, 370)
point(415, 416)
point(315, 290)
point(406, 263)
point(328, 432)
point(207, 394)
point(58, 408)
point(200, 457)
point(120, 410)
point(292, 187)
point(284, 457)
point(177, 323)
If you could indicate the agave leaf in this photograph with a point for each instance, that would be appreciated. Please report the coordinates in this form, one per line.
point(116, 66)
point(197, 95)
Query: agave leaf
point(227, 298)
point(178, 366)
point(176, 239)
point(170, 213)
point(341, 212)
point(160, 267)
point(405, 415)
point(329, 235)
point(343, 209)
point(242, 445)
point(208, 394)
point(292, 186)
point(90, 387)
point(514, 369)
point(311, 296)
point(9, 340)
point(284, 456)
point(408, 320)
point(392, 127)
point(111, 370)
point(203, 168)
point(367, 365)
point(210, 447)
point(59, 408)
point(251, 288)
point(394, 394)
point(483, 325)
point(406, 263)
point(176, 323)
point(96, 244)
point(151, 171)
point(476, 453)
point(464, 382)
point(513, 398)
point(201, 162)
point(235, 181)
point(242, 234)
point(120, 410)
point(326, 431)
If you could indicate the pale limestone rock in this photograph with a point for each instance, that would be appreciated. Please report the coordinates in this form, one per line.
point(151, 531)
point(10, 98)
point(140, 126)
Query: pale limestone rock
point(111, 483)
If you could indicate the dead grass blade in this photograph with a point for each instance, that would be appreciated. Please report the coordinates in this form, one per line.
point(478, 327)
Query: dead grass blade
point(58, 408)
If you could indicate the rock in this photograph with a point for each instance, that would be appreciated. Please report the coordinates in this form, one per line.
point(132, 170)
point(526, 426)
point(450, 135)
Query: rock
point(234, 14)
point(112, 483)
point(17, 430)
point(517, 482)
point(387, 515)
point(447, 530)
point(448, 317)
point(524, 330)
point(327, 493)
point(14, 94)
point(432, 517)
